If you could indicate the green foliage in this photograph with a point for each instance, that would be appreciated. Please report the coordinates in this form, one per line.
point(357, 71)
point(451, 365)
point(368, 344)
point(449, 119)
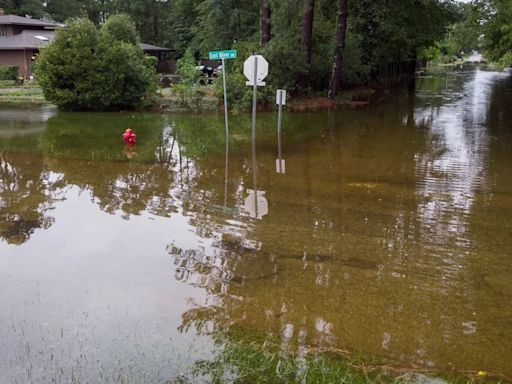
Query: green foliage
point(355, 70)
point(186, 68)
point(379, 33)
point(188, 91)
point(220, 24)
point(35, 8)
point(462, 37)
point(497, 27)
point(177, 32)
point(62, 10)
point(66, 67)
point(430, 54)
point(8, 73)
point(397, 30)
point(239, 94)
point(119, 28)
point(83, 69)
point(264, 361)
point(285, 58)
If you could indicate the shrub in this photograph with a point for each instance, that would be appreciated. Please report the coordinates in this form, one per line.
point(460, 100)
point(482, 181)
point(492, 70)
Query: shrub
point(8, 73)
point(188, 91)
point(87, 69)
point(120, 28)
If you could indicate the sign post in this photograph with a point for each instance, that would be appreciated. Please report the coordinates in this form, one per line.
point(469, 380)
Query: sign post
point(220, 55)
point(280, 101)
point(255, 69)
point(223, 55)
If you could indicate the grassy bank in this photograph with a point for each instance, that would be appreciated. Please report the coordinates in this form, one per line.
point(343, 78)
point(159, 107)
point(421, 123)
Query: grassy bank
point(204, 98)
point(266, 361)
point(201, 98)
point(15, 94)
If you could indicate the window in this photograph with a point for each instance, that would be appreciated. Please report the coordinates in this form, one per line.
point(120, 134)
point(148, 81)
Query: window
point(3, 31)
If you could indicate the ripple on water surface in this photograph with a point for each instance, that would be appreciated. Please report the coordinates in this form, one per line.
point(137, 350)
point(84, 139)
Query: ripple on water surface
point(388, 234)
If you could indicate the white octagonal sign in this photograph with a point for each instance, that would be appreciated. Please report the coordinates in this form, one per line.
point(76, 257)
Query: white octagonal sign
point(258, 63)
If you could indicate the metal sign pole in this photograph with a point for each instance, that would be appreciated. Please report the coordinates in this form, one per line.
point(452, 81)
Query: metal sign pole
point(225, 95)
point(254, 88)
point(254, 166)
point(227, 131)
point(279, 124)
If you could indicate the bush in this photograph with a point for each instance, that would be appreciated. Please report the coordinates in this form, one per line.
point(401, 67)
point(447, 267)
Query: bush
point(87, 69)
point(8, 73)
point(120, 28)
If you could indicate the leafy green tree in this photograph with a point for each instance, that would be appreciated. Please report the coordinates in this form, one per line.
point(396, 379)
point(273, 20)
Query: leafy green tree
point(62, 10)
point(298, 35)
point(177, 30)
point(83, 69)
point(497, 27)
point(221, 23)
point(395, 31)
point(119, 28)
point(33, 8)
point(66, 67)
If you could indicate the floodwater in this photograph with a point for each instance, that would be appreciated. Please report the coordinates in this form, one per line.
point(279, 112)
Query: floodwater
point(386, 231)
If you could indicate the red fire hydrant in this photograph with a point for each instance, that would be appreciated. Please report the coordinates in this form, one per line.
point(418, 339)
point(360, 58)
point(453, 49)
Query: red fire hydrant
point(129, 137)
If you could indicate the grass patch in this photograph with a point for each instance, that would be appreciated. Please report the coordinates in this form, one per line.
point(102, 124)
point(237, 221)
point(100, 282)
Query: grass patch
point(21, 94)
point(11, 94)
point(264, 361)
point(12, 84)
point(22, 101)
point(245, 362)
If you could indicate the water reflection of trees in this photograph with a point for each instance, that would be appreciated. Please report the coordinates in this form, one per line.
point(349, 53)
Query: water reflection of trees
point(26, 196)
point(292, 273)
point(89, 154)
point(86, 151)
point(348, 253)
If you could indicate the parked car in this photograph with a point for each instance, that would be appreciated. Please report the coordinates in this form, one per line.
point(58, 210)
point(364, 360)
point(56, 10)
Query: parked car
point(207, 72)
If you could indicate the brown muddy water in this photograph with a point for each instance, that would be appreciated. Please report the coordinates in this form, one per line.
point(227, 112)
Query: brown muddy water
point(387, 232)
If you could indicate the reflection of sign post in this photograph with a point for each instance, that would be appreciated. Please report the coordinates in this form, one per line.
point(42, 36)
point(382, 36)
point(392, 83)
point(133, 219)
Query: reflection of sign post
point(223, 55)
point(255, 69)
point(256, 204)
point(280, 101)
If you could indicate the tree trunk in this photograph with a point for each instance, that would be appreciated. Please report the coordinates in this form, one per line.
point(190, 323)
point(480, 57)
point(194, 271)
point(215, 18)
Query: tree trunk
point(266, 26)
point(335, 82)
point(307, 29)
point(154, 6)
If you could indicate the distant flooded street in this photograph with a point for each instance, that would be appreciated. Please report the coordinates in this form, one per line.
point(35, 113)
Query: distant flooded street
point(385, 231)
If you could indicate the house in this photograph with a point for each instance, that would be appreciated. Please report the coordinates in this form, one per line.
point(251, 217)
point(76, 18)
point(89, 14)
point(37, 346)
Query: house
point(22, 37)
point(20, 40)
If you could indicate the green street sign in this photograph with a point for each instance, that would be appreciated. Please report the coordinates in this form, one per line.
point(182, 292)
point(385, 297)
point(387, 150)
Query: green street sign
point(219, 55)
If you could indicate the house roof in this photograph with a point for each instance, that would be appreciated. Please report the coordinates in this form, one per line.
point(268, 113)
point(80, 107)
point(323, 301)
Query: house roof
point(149, 47)
point(27, 39)
point(26, 21)
point(36, 39)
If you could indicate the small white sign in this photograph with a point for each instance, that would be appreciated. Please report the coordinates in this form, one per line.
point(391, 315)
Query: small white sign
point(280, 166)
point(261, 65)
point(281, 97)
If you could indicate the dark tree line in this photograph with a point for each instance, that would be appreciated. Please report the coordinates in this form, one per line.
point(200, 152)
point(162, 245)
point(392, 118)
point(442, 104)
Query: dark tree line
point(328, 42)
